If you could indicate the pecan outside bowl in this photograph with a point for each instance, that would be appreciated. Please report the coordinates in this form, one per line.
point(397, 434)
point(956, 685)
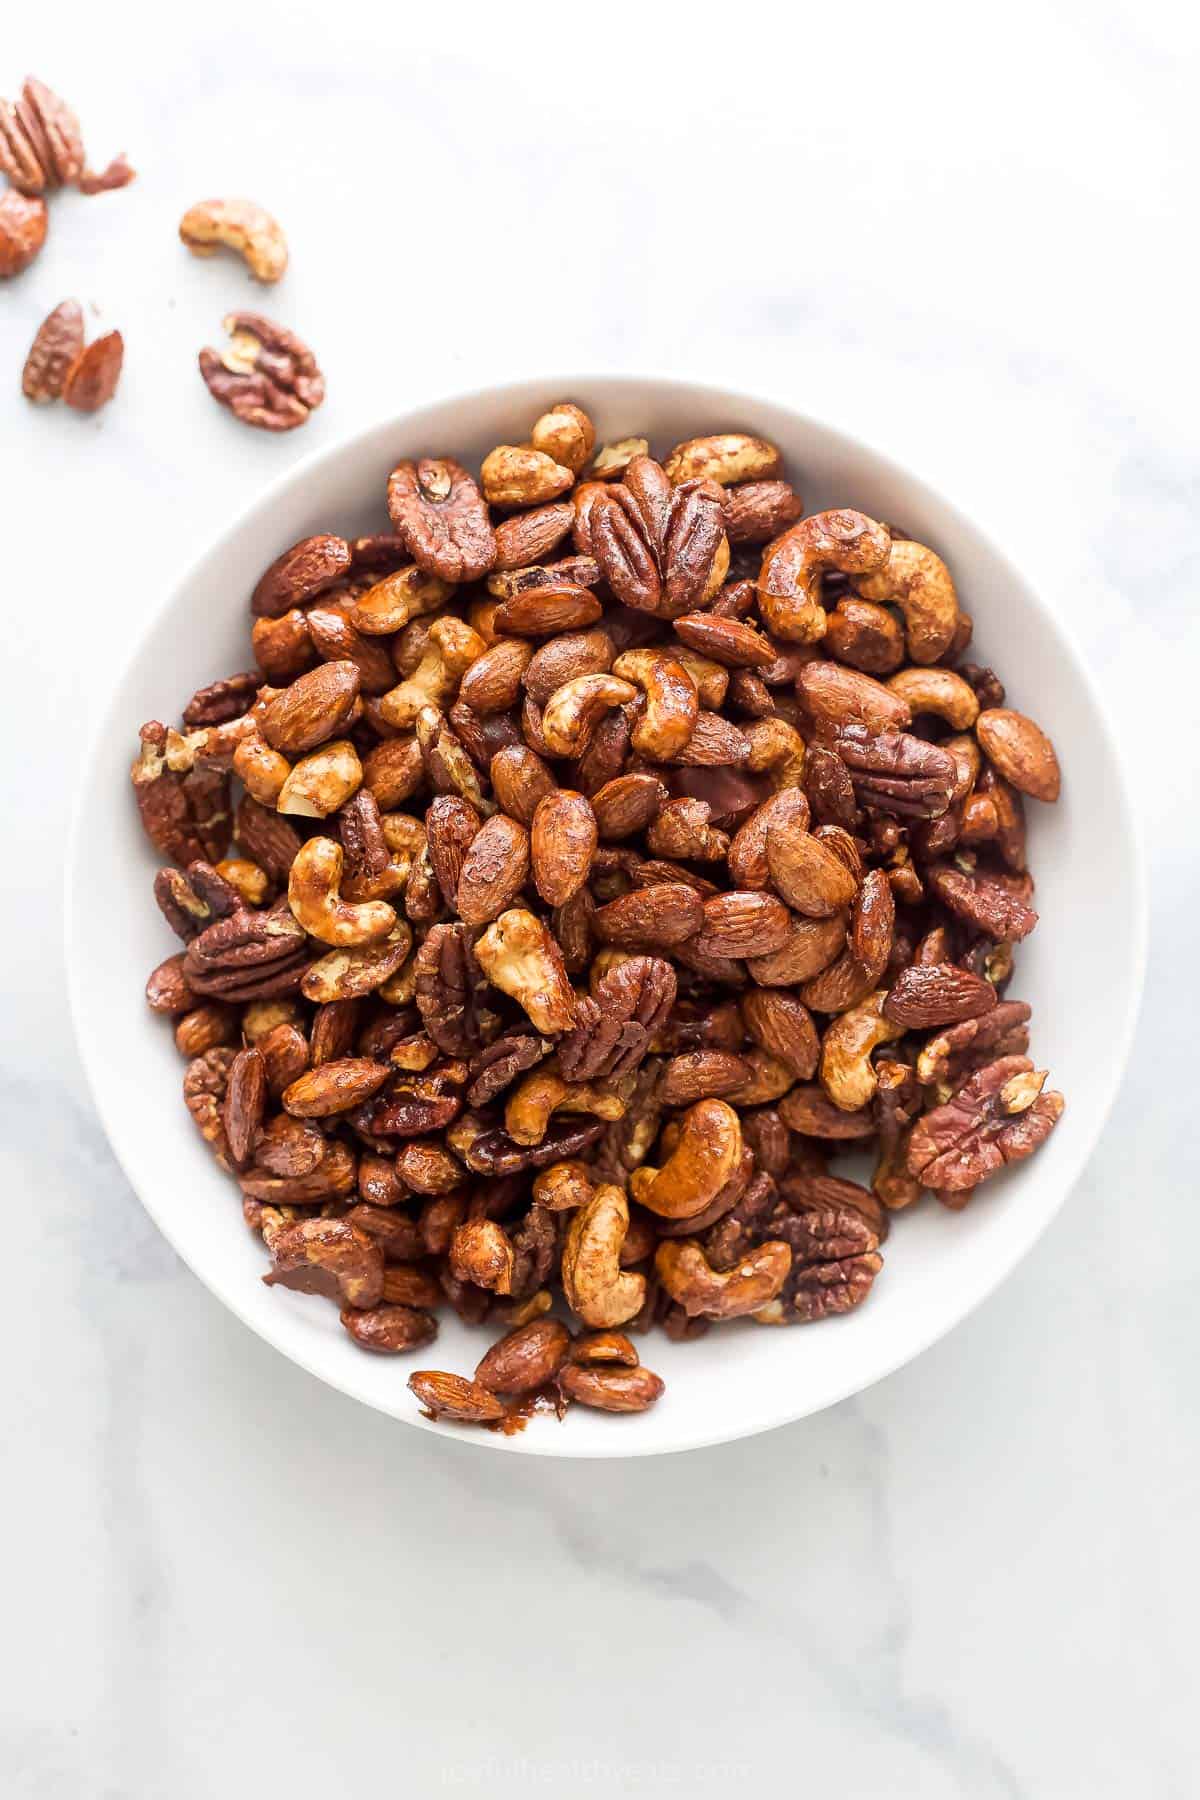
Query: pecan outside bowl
point(1082, 971)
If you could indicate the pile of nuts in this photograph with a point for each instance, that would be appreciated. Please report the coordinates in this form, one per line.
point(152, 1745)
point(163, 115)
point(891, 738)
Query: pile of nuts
point(585, 862)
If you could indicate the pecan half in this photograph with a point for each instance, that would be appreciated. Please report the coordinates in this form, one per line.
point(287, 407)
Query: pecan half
point(441, 515)
point(999, 1116)
point(662, 550)
point(266, 375)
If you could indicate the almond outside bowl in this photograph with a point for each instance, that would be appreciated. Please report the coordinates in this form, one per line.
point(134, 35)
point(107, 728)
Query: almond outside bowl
point(738, 1379)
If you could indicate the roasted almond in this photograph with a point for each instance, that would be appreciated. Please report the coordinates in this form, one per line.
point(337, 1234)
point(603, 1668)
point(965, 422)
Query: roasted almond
point(316, 707)
point(335, 1087)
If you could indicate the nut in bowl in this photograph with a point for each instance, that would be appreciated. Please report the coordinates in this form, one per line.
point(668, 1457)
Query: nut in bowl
point(604, 911)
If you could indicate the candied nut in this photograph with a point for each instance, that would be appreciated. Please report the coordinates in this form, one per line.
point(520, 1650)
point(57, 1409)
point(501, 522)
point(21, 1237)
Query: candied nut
point(681, 828)
point(693, 1283)
point(895, 772)
point(285, 1052)
point(572, 654)
point(205, 1028)
point(390, 1328)
point(526, 1359)
point(984, 902)
point(167, 990)
point(335, 1087)
point(442, 517)
point(493, 872)
point(91, 380)
point(610, 1389)
point(205, 1083)
point(728, 641)
point(315, 708)
point(1004, 1031)
point(865, 636)
point(573, 710)
point(450, 647)
point(450, 824)
point(335, 640)
point(810, 947)
point(847, 1073)
point(520, 781)
point(785, 811)
point(702, 1075)
point(58, 342)
point(516, 475)
point(247, 956)
point(662, 550)
point(598, 1290)
point(937, 691)
point(999, 1116)
point(402, 596)
point(545, 611)
point(241, 226)
point(426, 1169)
point(651, 918)
point(776, 748)
point(833, 695)
point(704, 1159)
point(528, 538)
point(672, 704)
point(612, 460)
point(743, 923)
point(289, 1147)
point(806, 873)
point(270, 841)
point(543, 1093)
point(454, 1397)
point(858, 969)
point(492, 683)
point(594, 1349)
point(563, 843)
point(1021, 751)
point(321, 782)
point(23, 221)
point(333, 1249)
point(937, 994)
point(729, 457)
point(562, 1187)
point(262, 771)
point(481, 1252)
point(756, 512)
point(782, 1025)
point(918, 582)
point(451, 992)
point(616, 1023)
point(332, 1179)
point(300, 574)
point(789, 582)
point(245, 1103)
point(806, 1108)
point(393, 771)
point(314, 883)
point(520, 956)
point(566, 434)
point(266, 376)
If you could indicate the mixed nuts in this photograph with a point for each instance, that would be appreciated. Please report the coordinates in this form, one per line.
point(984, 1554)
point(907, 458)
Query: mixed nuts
point(588, 859)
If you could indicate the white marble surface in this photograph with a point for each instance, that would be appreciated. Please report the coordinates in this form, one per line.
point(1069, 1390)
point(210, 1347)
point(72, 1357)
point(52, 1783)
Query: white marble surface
point(967, 234)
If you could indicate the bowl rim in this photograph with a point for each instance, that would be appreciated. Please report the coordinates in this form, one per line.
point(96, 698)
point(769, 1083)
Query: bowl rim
point(967, 1297)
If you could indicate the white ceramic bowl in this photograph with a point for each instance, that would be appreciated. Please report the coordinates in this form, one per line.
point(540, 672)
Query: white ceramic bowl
point(939, 1265)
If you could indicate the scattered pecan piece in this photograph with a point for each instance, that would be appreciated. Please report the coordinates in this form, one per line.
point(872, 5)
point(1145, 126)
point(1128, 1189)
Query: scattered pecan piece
point(266, 375)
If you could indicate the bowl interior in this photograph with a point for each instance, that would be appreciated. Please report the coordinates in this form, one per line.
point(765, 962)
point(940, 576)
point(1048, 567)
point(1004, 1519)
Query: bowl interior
point(938, 1265)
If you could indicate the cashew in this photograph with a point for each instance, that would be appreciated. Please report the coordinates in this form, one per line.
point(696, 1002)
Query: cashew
point(543, 1092)
point(481, 1252)
point(847, 1073)
point(598, 1290)
point(672, 703)
point(565, 434)
point(612, 460)
point(318, 784)
point(450, 649)
point(405, 839)
point(262, 771)
point(729, 457)
point(938, 691)
point(789, 582)
point(394, 602)
point(563, 1186)
point(239, 225)
point(682, 830)
point(708, 1152)
point(314, 896)
point(516, 475)
point(251, 882)
point(519, 955)
point(710, 679)
point(577, 705)
point(694, 1284)
point(918, 582)
point(776, 749)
